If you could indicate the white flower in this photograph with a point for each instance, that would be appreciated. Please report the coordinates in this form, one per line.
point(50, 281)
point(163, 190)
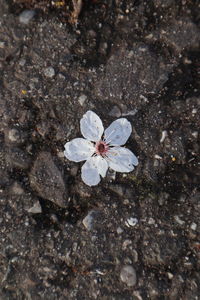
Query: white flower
point(101, 149)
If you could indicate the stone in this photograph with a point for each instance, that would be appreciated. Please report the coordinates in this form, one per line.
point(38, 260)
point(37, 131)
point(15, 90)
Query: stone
point(47, 180)
point(16, 189)
point(131, 221)
point(115, 112)
point(137, 296)
point(36, 208)
point(17, 158)
point(49, 72)
point(82, 99)
point(193, 226)
point(128, 275)
point(13, 135)
point(87, 221)
point(26, 16)
point(93, 220)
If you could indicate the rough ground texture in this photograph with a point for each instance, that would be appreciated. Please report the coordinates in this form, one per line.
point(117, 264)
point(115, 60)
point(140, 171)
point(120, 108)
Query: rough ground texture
point(132, 237)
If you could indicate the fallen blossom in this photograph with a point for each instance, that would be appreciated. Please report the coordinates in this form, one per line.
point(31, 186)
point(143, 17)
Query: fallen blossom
point(101, 149)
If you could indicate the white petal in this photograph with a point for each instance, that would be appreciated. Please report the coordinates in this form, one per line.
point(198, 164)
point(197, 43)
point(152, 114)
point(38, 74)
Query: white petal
point(92, 169)
point(101, 164)
point(79, 149)
point(121, 159)
point(91, 126)
point(118, 132)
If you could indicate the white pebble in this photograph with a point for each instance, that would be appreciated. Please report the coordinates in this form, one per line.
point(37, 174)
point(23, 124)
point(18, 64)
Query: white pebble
point(119, 230)
point(164, 135)
point(194, 111)
point(193, 226)
point(49, 72)
point(128, 275)
point(151, 221)
point(13, 135)
point(2, 45)
point(170, 275)
point(131, 222)
point(195, 134)
point(26, 16)
point(82, 99)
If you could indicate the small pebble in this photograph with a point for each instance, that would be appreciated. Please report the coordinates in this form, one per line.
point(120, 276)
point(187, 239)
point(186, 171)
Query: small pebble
point(151, 221)
point(36, 208)
point(170, 275)
point(74, 170)
point(115, 112)
point(178, 220)
point(163, 136)
point(119, 230)
point(126, 243)
point(49, 72)
point(194, 111)
point(158, 156)
point(131, 222)
point(128, 275)
point(54, 219)
point(60, 154)
point(22, 62)
point(2, 45)
point(17, 189)
point(82, 99)
point(135, 256)
point(193, 226)
point(88, 220)
point(26, 16)
point(195, 134)
point(13, 135)
point(137, 296)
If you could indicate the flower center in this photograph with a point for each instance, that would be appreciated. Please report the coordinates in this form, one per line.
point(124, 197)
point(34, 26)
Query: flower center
point(101, 148)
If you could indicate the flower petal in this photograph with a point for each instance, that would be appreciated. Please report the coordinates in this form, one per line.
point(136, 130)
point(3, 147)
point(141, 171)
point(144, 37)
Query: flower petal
point(121, 159)
point(91, 126)
point(79, 149)
point(92, 169)
point(101, 164)
point(118, 132)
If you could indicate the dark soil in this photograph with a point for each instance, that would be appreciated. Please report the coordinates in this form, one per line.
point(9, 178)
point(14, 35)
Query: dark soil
point(61, 239)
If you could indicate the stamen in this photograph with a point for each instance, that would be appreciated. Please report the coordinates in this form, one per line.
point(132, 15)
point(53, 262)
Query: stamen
point(101, 148)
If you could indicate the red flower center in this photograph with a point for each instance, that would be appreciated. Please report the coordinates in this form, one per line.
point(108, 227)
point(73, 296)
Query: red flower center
point(101, 148)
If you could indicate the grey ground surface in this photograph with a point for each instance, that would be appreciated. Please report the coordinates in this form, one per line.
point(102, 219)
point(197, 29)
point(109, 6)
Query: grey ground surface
point(132, 237)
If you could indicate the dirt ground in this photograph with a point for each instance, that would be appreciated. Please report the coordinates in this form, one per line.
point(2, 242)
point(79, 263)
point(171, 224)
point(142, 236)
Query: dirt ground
point(135, 236)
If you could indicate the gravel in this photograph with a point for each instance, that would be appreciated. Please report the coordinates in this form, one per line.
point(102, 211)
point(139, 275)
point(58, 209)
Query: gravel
point(128, 276)
point(26, 16)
